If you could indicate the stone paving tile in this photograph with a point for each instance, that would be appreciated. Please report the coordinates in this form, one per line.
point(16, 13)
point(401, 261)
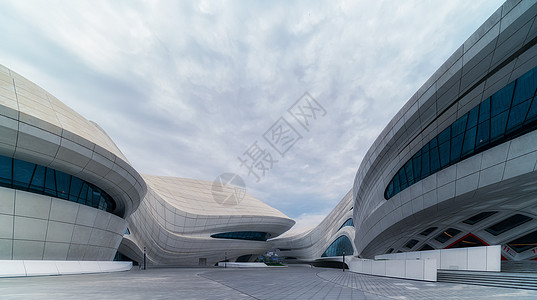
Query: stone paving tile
point(135, 284)
point(215, 283)
point(412, 289)
point(287, 283)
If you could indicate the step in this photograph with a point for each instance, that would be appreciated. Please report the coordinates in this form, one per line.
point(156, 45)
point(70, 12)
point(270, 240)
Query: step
point(512, 286)
point(497, 279)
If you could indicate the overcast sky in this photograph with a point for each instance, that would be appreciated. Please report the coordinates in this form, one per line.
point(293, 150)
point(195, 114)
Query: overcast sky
point(185, 88)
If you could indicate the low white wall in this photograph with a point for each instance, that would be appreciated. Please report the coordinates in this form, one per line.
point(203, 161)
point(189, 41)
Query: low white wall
point(407, 269)
point(487, 258)
point(242, 265)
point(22, 268)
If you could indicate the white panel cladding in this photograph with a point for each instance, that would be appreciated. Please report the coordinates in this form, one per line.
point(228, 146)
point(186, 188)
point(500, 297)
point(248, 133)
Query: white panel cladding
point(177, 217)
point(35, 226)
point(22, 268)
point(449, 191)
point(308, 245)
point(471, 259)
point(408, 269)
point(36, 127)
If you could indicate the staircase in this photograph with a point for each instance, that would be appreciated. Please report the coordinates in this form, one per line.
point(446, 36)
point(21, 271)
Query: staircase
point(498, 279)
point(521, 266)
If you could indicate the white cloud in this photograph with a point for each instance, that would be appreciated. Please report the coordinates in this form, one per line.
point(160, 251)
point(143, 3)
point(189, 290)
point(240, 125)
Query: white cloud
point(185, 87)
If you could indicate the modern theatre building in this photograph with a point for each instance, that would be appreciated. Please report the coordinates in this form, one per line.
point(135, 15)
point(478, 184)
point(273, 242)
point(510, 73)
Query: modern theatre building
point(456, 167)
point(67, 193)
point(65, 188)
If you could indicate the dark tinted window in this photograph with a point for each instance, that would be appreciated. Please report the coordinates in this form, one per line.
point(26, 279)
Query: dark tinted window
point(428, 231)
point(508, 224)
point(342, 245)
point(447, 235)
point(349, 222)
point(243, 235)
point(509, 113)
point(26, 176)
point(524, 243)
point(411, 244)
point(479, 217)
point(468, 241)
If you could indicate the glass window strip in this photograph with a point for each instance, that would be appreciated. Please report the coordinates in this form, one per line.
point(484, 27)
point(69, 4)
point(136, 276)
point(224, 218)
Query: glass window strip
point(479, 217)
point(349, 222)
point(243, 235)
point(508, 224)
point(508, 121)
point(342, 245)
point(25, 176)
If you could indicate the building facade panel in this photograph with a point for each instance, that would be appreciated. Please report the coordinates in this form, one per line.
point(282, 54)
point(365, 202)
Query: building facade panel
point(180, 223)
point(65, 187)
point(482, 140)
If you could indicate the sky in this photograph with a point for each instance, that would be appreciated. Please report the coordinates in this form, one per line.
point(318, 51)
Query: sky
point(188, 88)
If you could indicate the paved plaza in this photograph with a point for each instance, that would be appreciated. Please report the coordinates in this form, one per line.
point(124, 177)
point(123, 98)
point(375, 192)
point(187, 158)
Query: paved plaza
point(270, 283)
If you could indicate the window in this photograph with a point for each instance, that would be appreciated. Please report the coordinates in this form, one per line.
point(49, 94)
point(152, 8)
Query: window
point(479, 217)
point(426, 247)
point(524, 243)
point(509, 113)
point(508, 224)
point(447, 235)
point(244, 258)
point(428, 231)
point(26, 176)
point(469, 240)
point(349, 222)
point(243, 235)
point(411, 244)
point(342, 245)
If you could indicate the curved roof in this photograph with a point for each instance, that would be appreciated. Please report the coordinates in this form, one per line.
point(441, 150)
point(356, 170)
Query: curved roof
point(36, 127)
point(196, 197)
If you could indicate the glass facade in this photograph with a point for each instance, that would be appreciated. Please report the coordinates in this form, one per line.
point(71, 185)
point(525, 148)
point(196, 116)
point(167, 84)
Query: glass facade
point(469, 240)
point(349, 222)
point(341, 245)
point(428, 231)
point(507, 114)
point(525, 242)
point(244, 258)
point(243, 235)
point(411, 244)
point(479, 217)
point(508, 224)
point(447, 235)
point(21, 175)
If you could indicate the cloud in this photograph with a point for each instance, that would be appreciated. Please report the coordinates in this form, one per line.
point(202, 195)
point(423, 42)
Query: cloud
point(184, 88)
point(305, 222)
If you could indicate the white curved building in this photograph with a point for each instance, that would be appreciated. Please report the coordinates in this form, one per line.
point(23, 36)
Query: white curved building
point(326, 242)
point(65, 187)
point(456, 167)
point(67, 191)
point(181, 222)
